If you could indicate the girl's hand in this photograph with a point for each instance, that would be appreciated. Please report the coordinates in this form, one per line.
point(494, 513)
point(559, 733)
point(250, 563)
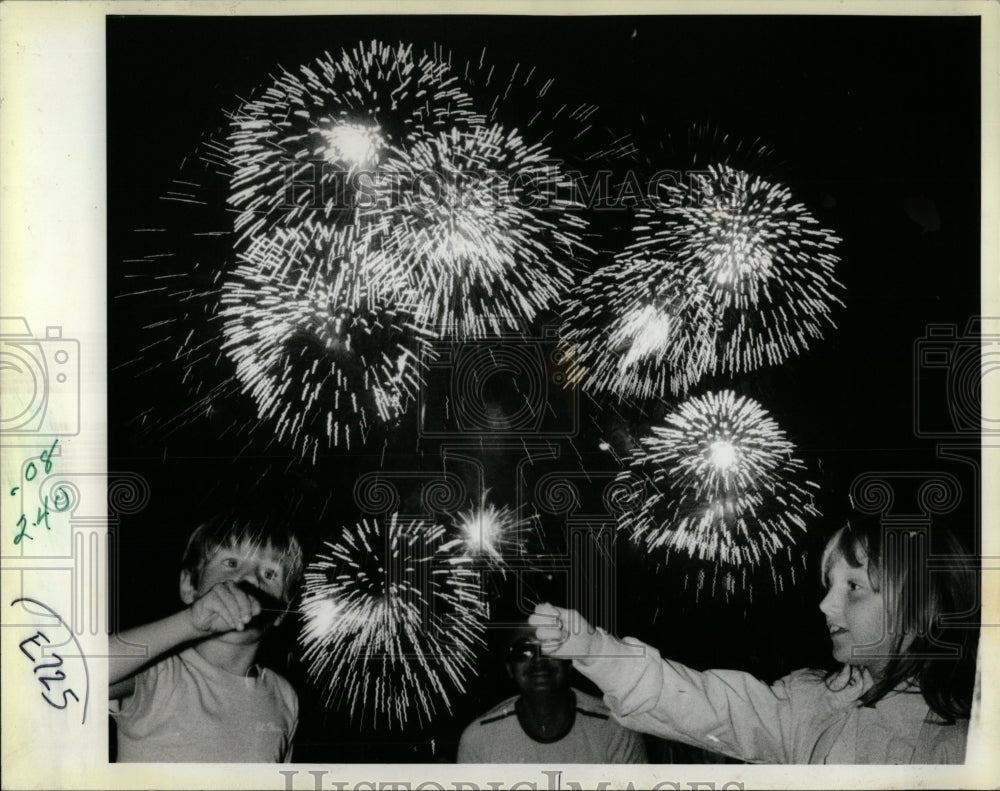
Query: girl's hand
point(224, 608)
point(562, 633)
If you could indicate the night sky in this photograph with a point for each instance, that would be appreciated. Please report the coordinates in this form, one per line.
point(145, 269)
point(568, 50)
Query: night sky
point(873, 123)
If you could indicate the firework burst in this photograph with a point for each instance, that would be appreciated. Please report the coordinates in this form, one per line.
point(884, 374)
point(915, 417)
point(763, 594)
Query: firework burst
point(724, 484)
point(306, 147)
point(391, 621)
point(488, 533)
point(477, 222)
point(321, 360)
point(726, 275)
point(764, 263)
point(631, 329)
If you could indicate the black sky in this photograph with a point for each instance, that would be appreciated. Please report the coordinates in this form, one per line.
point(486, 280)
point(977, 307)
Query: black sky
point(874, 124)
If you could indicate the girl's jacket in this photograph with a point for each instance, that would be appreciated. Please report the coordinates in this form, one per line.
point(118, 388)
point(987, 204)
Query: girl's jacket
point(801, 718)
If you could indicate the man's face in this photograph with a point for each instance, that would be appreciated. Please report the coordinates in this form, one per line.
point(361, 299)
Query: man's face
point(533, 671)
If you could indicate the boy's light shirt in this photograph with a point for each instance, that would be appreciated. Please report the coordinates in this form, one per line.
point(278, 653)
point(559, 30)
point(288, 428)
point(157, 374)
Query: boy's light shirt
point(187, 710)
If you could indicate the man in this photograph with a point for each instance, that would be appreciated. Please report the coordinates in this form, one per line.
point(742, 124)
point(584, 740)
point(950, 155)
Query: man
point(549, 721)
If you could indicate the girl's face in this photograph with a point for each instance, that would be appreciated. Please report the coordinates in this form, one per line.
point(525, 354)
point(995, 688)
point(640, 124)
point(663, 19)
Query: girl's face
point(855, 615)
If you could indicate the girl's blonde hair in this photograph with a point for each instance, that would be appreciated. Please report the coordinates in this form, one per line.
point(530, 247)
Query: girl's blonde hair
point(932, 610)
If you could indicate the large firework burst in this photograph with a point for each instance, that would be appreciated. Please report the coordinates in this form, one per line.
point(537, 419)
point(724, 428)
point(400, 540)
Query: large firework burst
point(727, 274)
point(392, 621)
point(766, 267)
point(322, 360)
point(766, 264)
point(480, 224)
point(309, 143)
point(722, 483)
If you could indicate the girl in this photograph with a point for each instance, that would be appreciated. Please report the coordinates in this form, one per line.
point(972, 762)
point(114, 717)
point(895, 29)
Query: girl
point(902, 692)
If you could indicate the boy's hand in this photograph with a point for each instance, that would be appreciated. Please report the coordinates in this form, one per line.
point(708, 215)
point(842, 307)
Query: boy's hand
point(562, 633)
point(224, 608)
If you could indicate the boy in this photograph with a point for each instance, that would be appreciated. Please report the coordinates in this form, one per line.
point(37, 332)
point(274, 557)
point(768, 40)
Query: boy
point(198, 695)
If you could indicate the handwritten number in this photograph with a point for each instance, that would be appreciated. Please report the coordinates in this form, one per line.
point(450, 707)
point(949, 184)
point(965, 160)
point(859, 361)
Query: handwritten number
point(43, 515)
point(60, 698)
point(47, 456)
point(57, 663)
point(58, 674)
point(66, 693)
point(44, 680)
point(22, 522)
point(60, 495)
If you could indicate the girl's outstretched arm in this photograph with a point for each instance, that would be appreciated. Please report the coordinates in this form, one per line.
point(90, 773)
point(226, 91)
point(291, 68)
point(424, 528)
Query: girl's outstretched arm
point(725, 711)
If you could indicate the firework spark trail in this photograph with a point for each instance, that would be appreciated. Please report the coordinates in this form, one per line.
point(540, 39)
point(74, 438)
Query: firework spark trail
point(518, 96)
point(321, 126)
point(319, 358)
point(391, 621)
point(693, 147)
point(726, 275)
point(176, 277)
point(477, 221)
point(725, 485)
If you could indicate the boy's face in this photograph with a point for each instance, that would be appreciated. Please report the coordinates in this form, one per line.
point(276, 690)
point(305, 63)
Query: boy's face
point(261, 566)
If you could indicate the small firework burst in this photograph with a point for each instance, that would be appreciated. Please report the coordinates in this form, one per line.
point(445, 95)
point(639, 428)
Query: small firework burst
point(724, 484)
point(297, 151)
point(725, 276)
point(631, 329)
point(488, 533)
point(321, 360)
point(475, 221)
point(392, 621)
